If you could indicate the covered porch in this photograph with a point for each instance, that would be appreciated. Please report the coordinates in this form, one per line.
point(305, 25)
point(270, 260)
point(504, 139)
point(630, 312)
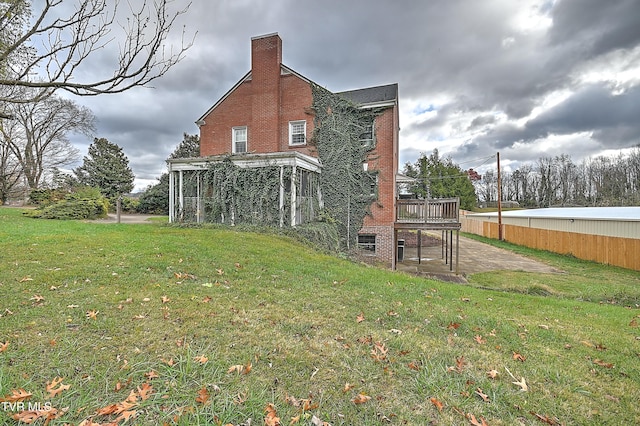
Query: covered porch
point(280, 188)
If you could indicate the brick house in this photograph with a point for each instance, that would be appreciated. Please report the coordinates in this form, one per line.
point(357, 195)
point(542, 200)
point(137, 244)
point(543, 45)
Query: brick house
point(266, 121)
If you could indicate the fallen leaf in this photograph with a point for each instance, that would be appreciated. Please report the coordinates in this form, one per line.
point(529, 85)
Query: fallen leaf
point(169, 362)
point(482, 395)
point(125, 415)
point(492, 374)
point(51, 387)
point(360, 317)
point(3, 346)
point(92, 314)
point(271, 417)
point(236, 368)
point(633, 323)
point(347, 387)
point(437, 403)
point(522, 383)
point(37, 298)
point(307, 405)
point(207, 299)
point(544, 419)
point(17, 395)
point(203, 396)
point(414, 365)
point(151, 375)
point(479, 340)
point(201, 359)
point(519, 357)
point(601, 363)
point(361, 398)
point(475, 422)
point(165, 299)
point(144, 391)
point(453, 325)
point(315, 421)
point(49, 413)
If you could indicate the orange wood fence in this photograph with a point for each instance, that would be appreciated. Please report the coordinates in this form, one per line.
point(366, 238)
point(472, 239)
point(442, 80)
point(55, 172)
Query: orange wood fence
point(617, 251)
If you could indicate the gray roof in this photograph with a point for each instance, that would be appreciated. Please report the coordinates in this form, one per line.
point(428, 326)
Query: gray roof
point(372, 95)
point(585, 213)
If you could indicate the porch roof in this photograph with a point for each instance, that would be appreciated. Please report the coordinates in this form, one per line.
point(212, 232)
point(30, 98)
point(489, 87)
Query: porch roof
point(291, 158)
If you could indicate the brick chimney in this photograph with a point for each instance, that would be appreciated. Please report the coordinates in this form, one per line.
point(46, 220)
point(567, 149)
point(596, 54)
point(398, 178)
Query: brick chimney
point(266, 58)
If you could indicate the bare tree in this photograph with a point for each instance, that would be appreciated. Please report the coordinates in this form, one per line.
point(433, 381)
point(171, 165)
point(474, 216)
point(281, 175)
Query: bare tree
point(52, 47)
point(37, 136)
point(10, 171)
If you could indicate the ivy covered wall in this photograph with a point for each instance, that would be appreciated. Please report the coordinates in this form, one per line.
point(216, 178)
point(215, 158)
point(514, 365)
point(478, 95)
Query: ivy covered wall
point(347, 188)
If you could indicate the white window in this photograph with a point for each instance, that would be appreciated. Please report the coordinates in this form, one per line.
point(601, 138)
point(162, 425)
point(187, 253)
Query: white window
point(239, 145)
point(367, 137)
point(297, 132)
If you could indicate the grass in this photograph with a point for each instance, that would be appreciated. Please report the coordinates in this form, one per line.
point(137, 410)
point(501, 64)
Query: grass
point(576, 279)
point(112, 307)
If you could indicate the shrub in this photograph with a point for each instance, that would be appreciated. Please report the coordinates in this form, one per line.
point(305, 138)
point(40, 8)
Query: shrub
point(44, 197)
point(83, 203)
point(322, 234)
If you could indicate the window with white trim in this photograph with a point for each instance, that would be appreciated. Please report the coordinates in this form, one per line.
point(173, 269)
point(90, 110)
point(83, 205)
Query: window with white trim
point(239, 142)
point(297, 132)
point(367, 137)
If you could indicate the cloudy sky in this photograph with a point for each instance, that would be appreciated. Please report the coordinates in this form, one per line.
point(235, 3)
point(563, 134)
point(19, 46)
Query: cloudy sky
point(526, 78)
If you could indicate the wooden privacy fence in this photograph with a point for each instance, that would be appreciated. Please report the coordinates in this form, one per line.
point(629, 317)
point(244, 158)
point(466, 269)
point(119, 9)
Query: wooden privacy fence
point(616, 251)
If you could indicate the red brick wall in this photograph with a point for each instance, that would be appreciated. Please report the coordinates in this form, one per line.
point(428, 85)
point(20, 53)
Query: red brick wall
point(265, 104)
point(384, 158)
point(296, 101)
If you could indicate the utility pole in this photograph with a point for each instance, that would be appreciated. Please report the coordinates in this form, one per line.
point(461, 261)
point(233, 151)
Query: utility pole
point(499, 200)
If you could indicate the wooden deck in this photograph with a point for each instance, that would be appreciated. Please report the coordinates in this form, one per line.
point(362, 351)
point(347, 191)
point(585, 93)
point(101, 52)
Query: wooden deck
point(433, 214)
point(441, 214)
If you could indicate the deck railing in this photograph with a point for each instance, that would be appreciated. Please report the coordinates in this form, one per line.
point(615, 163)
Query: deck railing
point(436, 211)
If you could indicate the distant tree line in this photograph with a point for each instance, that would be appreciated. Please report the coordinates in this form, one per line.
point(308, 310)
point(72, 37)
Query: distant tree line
point(558, 181)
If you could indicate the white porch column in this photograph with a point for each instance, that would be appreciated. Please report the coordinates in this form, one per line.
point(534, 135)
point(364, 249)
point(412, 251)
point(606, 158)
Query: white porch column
point(172, 195)
point(281, 205)
point(180, 196)
point(198, 199)
point(294, 194)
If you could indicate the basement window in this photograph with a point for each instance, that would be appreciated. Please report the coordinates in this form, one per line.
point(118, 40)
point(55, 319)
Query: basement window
point(239, 143)
point(297, 132)
point(367, 242)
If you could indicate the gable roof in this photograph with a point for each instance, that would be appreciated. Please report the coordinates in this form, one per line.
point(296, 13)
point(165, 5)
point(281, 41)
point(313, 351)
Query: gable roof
point(369, 97)
point(386, 95)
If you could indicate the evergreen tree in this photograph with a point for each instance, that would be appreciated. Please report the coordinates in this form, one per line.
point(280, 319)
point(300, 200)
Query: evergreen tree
point(155, 199)
point(107, 168)
point(188, 148)
point(441, 178)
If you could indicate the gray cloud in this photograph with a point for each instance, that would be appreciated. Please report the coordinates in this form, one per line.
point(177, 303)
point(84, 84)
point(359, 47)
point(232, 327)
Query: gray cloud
point(489, 68)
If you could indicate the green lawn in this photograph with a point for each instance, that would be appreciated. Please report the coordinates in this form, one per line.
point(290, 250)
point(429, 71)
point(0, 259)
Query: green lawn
point(188, 326)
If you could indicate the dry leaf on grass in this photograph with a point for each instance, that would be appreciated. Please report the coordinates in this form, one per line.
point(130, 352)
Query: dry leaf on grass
point(271, 417)
point(437, 403)
point(51, 387)
point(3, 346)
point(17, 395)
point(201, 359)
point(203, 396)
point(361, 399)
